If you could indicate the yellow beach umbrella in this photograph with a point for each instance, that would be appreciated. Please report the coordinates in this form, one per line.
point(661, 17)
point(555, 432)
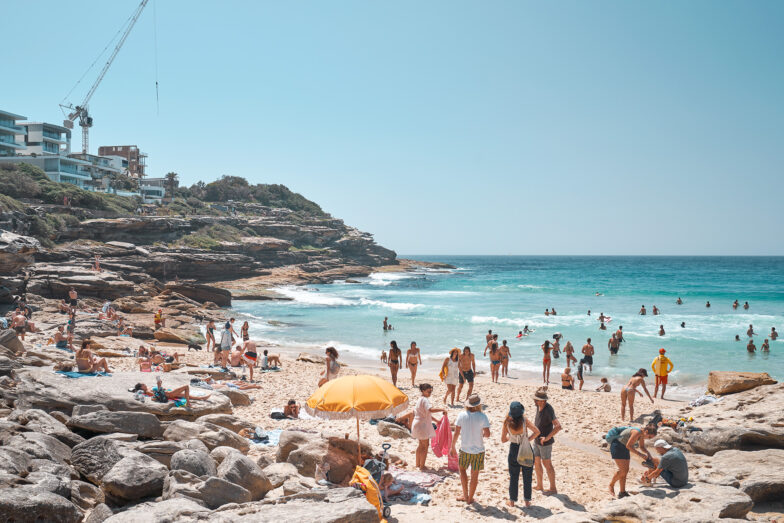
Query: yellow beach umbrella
point(359, 397)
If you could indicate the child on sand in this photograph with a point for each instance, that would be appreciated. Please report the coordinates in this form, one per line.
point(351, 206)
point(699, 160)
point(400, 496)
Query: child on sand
point(604, 387)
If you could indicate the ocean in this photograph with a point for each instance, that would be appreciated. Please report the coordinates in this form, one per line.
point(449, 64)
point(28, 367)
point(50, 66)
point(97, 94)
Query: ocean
point(444, 309)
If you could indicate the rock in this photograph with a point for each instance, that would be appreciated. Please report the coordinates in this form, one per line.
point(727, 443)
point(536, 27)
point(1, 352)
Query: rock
point(39, 421)
point(41, 446)
point(393, 430)
point(161, 451)
point(195, 444)
point(9, 340)
point(228, 421)
point(218, 453)
point(47, 391)
point(81, 410)
point(341, 505)
point(169, 335)
point(134, 477)
point(95, 457)
point(293, 439)
point(181, 483)
point(14, 461)
point(27, 504)
point(60, 470)
point(143, 424)
point(217, 492)
point(241, 470)
point(169, 510)
point(209, 434)
point(16, 251)
point(266, 457)
point(298, 485)
point(238, 398)
point(730, 382)
point(61, 417)
point(99, 514)
point(202, 293)
point(757, 473)
point(694, 502)
point(307, 451)
point(311, 358)
point(279, 473)
point(60, 485)
point(196, 462)
point(85, 495)
point(7, 367)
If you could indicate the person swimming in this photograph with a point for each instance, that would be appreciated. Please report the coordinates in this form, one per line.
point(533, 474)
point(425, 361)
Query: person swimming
point(679, 301)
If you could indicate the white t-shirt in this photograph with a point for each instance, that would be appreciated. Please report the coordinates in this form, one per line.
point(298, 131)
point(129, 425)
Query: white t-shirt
point(471, 426)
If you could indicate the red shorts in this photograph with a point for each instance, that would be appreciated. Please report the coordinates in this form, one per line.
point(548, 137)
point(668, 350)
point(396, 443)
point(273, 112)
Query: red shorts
point(661, 380)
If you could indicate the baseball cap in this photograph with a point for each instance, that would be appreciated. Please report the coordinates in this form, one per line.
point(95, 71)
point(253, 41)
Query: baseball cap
point(660, 443)
point(662, 351)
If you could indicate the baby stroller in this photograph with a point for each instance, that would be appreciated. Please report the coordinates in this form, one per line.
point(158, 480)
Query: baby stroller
point(368, 477)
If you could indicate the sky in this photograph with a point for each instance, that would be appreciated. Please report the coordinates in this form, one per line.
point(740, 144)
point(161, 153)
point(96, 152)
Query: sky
point(445, 127)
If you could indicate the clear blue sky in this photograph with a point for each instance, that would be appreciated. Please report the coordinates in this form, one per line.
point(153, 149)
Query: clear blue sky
point(452, 127)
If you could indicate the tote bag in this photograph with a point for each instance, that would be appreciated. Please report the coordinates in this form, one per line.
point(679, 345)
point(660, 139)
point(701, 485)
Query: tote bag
point(525, 455)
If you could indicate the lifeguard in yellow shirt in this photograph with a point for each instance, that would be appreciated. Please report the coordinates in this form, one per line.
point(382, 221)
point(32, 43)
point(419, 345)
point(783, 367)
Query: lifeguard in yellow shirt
point(661, 367)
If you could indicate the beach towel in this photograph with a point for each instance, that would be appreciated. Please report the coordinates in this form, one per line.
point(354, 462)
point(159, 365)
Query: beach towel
point(272, 438)
point(442, 441)
point(74, 374)
point(415, 485)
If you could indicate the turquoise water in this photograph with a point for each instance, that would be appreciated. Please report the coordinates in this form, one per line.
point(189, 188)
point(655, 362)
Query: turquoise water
point(504, 293)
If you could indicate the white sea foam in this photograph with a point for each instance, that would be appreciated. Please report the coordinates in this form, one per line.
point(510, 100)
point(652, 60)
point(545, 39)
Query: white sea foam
point(391, 305)
point(387, 278)
point(315, 298)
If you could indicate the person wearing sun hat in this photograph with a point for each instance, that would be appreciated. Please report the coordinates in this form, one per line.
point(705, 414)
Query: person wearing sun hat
point(661, 367)
point(548, 426)
point(472, 426)
point(516, 430)
point(672, 465)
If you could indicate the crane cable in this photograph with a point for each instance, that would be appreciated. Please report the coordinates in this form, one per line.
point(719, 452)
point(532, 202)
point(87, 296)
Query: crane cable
point(155, 39)
point(119, 32)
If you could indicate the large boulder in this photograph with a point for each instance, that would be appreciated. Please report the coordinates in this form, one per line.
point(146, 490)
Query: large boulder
point(60, 485)
point(37, 420)
point(757, 473)
point(730, 382)
point(143, 424)
point(308, 451)
point(169, 510)
point(161, 451)
point(95, 457)
point(14, 461)
point(16, 251)
point(196, 462)
point(180, 336)
point(699, 502)
point(100, 513)
point(27, 504)
point(201, 293)
point(41, 446)
point(11, 341)
point(237, 398)
point(393, 430)
point(242, 470)
point(209, 434)
point(279, 473)
point(227, 421)
point(134, 477)
point(86, 495)
point(212, 492)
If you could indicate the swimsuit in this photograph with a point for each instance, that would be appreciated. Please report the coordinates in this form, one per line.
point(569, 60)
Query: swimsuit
point(588, 360)
point(567, 387)
point(495, 362)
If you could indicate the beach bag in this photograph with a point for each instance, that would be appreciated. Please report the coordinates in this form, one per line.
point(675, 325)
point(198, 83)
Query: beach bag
point(452, 462)
point(525, 455)
point(613, 434)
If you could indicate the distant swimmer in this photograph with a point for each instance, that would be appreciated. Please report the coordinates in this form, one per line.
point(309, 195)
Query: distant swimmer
point(588, 355)
point(751, 347)
point(601, 316)
point(661, 330)
point(613, 344)
point(643, 312)
point(602, 326)
point(765, 346)
point(553, 313)
point(737, 337)
point(707, 304)
point(655, 311)
point(589, 312)
point(750, 332)
point(599, 294)
point(519, 334)
point(526, 331)
point(547, 312)
point(619, 334)
point(683, 325)
point(773, 333)
point(735, 304)
point(386, 324)
point(679, 301)
point(746, 305)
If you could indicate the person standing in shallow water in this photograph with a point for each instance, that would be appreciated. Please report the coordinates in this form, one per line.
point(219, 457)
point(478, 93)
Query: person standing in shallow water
point(413, 359)
point(395, 357)
point(546, 361)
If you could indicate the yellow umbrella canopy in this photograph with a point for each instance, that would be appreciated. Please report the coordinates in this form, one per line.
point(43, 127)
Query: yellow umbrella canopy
point(361, 397)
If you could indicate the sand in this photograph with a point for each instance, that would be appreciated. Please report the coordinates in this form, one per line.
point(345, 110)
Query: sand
point(583, 468)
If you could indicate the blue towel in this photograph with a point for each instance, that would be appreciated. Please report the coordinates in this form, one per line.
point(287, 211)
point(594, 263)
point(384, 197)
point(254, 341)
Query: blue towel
point(72, 374)
point(273, 438)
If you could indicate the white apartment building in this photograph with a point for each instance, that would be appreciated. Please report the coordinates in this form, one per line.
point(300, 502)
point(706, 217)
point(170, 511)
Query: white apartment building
point(9, 143)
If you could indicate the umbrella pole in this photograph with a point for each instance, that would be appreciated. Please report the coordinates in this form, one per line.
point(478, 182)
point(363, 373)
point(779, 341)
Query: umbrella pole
point(359, 447)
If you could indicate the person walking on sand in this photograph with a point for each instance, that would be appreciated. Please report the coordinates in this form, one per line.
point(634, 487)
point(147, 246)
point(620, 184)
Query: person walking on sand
point(413, 358)
point(495, 362)
point(548, 426)
point(661, 367)
point(505, 355)
point(588, 355)
point(569, 351)
point(515, 430)
point(422, 427)
point(451, 368)
point(630, 391)
point(467, 366)
point(623, 441)
point(546, 361)
point(395, 357)
point(225, 345)
point(472, 426)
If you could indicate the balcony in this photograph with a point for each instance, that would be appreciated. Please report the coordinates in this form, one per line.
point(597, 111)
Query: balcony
point(53, 137)
point(8, 125)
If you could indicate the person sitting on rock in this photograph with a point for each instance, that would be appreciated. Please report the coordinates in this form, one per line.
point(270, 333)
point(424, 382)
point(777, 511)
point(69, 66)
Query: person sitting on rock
point(162, 395)
point(63, 307)
point(122, 328)
point(672, 466)
point(87, 362)
point(291, 410)
point(61, 341)
point(158, 320)
point(159, 358)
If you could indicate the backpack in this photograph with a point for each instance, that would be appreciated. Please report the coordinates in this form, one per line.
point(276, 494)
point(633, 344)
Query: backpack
point(614, 433)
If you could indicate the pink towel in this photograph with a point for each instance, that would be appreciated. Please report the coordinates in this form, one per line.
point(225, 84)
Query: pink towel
point(442, 441)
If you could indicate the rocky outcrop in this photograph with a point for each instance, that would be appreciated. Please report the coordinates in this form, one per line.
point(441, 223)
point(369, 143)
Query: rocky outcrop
point(211, 435)
point(30, 504)
point(759, 474)
point(143, 424)
point(16, 251)
point(201, 293)
point(730, 382)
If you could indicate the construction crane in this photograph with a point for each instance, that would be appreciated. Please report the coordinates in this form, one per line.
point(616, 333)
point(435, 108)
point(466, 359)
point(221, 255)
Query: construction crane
point(81, 111)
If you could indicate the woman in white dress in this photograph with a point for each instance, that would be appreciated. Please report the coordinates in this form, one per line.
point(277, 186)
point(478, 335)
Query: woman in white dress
point(422, 427)
point(452, 369)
